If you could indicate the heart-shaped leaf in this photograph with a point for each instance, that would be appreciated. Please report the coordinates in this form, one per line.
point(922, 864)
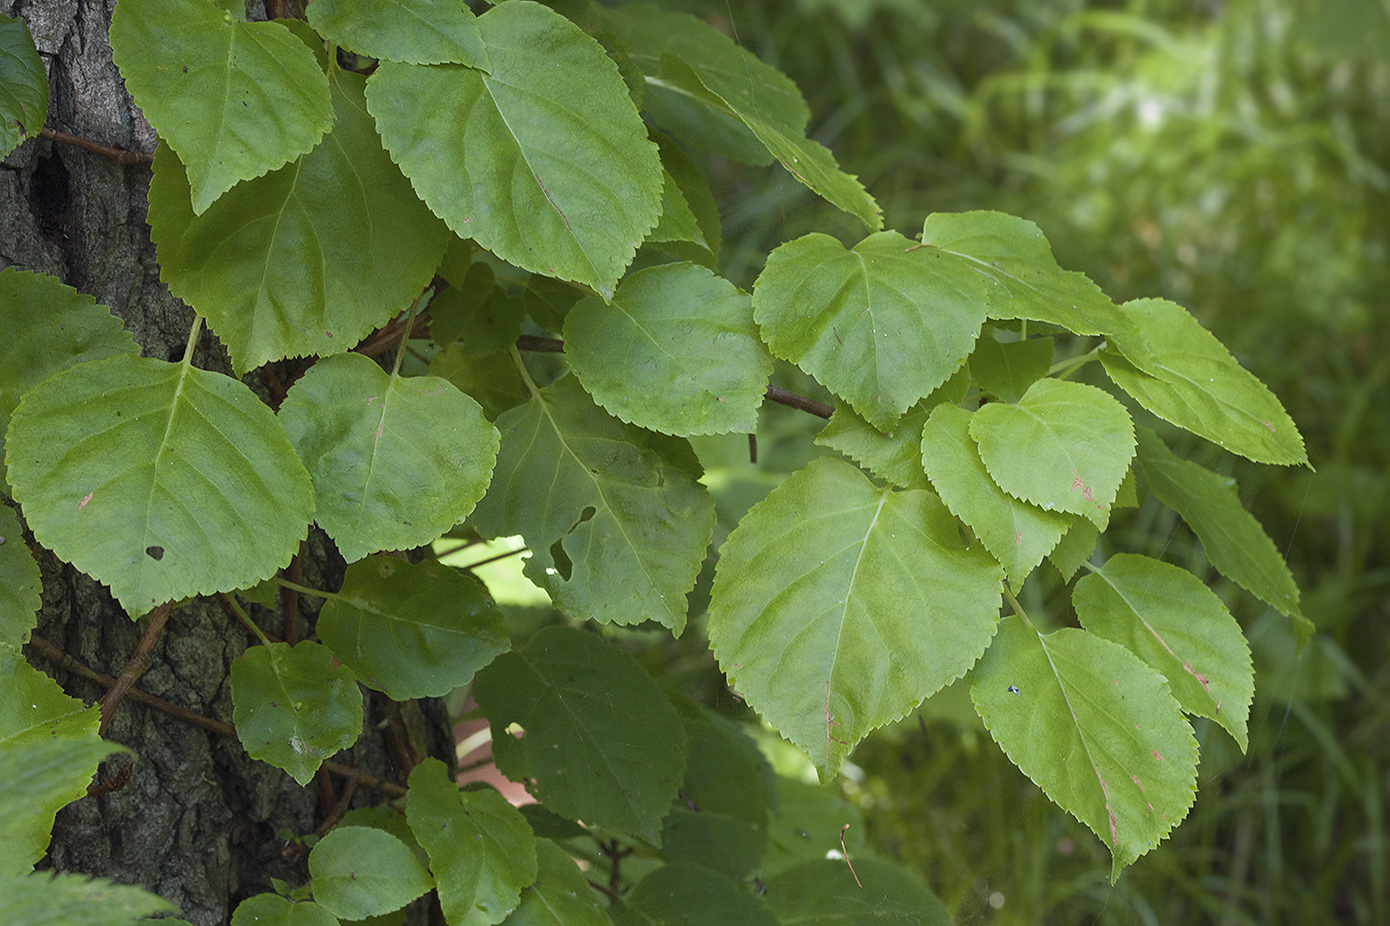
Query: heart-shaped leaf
point(838, 606)
point(159, 479)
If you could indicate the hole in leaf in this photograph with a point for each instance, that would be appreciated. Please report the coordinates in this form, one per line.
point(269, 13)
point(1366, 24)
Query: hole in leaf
point(561, 559)
point(155, 553)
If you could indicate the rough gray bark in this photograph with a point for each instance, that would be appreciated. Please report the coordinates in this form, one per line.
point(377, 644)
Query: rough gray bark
point(197, 821)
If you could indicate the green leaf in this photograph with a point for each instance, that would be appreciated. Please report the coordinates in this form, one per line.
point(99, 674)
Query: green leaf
point(808, 161)
point(614, 514)
point(475, 309)
point(38, 777)
point(825, 893)
point(1064, 446)
point(20, 582)
point(49, 327)
point(417, 31)
point(599, 742)
point(894, 455)
point(1094, 727)
point(1234, 541)
point(675, 351)
point(720, 818)
point(482, 853)
point(23, 85)
point(44, 898)
point(1169, 619)
point(838, 606)
point(33, 707)
point(689, 894)
point(881, 324)
point(1007, 370)
point(233, 99)
point(1015, 533)
point(364, 245)
point(689, 212)
point(293, 707)
point(561, 895)
point(395, 461)
point(809, 824)
point(492, 381)
point(1075, 548)
point(543, 161)
point(274, 910)
point(412, 631)
point(359, 872)
point(1024, 280)
point(1179, 371)
point(159, 479)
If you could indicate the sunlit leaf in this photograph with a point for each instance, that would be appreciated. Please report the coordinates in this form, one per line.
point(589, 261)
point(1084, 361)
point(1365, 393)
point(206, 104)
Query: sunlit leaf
point(1023, 278)
point(1233, 540)
point(1016, 533)
point(1168, 618)
point(543, 160)
point(690, 894)
point(159, 479)
point(614, 515)
point(23, 85)
point(881, 325)
point(417, 31)
point(38, 777)
point(412, 631)
point(293, 707)
point(826, 892)
point(1094, 727)
point(561, 895)
point(364, 244)
point(838, 606)
point(676, 351)
point(481, 851)
point(49, 326)
point(395, 461)
point(1179, 371)
point(45, 898)
point(20, 583)
point(1064, 446)
point(274, 910)
point(598, 742)
point(233, 99)
point(359, 872)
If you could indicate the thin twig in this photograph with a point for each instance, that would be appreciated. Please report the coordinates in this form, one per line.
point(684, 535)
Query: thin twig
point(139, 662)
point(123, 155)
point(792, 400)
point(538, 344)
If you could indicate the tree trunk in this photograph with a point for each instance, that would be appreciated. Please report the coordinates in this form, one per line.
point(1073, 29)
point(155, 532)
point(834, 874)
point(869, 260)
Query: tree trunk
point(198, 821)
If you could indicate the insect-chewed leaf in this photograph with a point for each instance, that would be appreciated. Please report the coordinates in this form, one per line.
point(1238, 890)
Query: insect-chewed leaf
point(396, 461)
point(882, 324)
point(673, 891)
point(412, 631)
point(359, 872)
point(364, 244)
point(827, 892)
point(23, 85)
point(49, 326)
point(1094, 727)
point(1179, 371)
point(1064, 446)
point(543, 160)
point(1233, 540)
point(1025, 281)
point(1168, 618)
point(293, 707)
point(417, 31)
point(838, 606)
point(233, 99)
point(106, 458)
point(676, 351)
point(599, 742)
point(614, 514)
point(481, 851)
point(1016, 533)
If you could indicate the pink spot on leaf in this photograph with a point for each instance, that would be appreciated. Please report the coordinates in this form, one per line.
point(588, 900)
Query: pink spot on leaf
point(1158, 756)
point(83, 504)
point(1018, 538)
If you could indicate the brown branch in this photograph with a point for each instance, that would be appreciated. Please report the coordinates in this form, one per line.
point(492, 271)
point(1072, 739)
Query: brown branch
point(289, 624)
point(64, 661)
point(541, 345)
point(123, 155)
point(139, 662)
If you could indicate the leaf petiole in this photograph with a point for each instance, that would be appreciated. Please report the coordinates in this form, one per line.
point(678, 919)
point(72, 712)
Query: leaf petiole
point(193, 333)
